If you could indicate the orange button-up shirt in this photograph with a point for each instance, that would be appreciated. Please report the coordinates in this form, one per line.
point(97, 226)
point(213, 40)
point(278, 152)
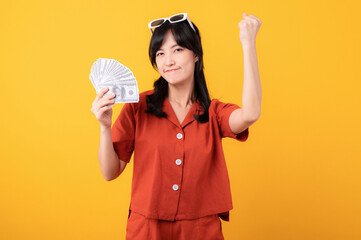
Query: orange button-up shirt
point(179, 169)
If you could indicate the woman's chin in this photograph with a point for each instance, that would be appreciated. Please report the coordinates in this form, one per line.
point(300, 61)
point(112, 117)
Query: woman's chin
point(173, 81)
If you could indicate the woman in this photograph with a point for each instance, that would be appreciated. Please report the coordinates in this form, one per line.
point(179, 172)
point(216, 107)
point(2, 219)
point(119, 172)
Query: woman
point(180, 186)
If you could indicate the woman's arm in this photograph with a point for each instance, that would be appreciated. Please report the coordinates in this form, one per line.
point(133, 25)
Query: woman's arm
point(110, 165)
point(240, 119)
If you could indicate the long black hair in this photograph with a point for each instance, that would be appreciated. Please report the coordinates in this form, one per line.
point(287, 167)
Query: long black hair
point(186, 37)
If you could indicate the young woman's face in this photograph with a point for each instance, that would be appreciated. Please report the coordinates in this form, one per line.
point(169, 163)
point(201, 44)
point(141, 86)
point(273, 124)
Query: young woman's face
point(175, 63)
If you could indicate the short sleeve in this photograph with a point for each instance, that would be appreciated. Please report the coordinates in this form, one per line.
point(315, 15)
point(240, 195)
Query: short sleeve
point(123, 132)
point(223, 112)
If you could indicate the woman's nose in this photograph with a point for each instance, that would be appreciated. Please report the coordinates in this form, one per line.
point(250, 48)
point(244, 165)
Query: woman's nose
point(169, 60)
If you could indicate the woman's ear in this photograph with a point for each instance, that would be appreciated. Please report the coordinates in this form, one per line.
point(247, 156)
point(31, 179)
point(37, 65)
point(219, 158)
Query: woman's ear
point(196, 58)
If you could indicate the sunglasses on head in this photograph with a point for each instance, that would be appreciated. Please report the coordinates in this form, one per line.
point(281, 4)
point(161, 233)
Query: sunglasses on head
point(172, 19)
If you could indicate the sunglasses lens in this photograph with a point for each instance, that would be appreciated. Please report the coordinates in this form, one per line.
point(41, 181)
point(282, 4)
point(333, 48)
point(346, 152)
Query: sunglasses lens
point(156, 23)
point(176, 18)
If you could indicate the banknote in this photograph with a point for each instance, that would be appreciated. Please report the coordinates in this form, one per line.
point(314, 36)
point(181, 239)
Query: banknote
point(117, 77)
point(123, 92)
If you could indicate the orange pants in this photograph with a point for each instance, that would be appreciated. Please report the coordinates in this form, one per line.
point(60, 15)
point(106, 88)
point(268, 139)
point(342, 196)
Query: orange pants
point(205, 228)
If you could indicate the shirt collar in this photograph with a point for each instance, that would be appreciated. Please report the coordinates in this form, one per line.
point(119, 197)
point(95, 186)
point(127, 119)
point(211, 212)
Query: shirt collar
point(168, 109)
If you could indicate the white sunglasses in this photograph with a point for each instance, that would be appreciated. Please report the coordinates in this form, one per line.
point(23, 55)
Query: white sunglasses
point(172, 19)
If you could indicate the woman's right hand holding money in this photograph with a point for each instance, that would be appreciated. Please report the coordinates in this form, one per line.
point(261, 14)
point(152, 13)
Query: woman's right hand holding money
point(100, 109)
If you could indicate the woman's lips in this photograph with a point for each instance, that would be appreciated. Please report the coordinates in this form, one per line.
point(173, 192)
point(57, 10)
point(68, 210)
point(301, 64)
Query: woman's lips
point(172, 70)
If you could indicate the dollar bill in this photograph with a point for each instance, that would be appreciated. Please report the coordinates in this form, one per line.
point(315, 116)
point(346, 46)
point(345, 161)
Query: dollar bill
point(124, 93)
point(117, 77)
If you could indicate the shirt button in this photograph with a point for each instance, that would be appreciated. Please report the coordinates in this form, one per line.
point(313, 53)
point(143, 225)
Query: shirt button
point(175, 187)
point(179, 136)
point(178, 162)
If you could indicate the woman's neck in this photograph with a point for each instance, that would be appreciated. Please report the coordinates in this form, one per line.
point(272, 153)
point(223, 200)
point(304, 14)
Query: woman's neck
point(181, 95)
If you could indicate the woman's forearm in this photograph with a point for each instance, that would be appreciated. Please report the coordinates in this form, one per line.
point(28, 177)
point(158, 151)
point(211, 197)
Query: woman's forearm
point(252, 92)
point(108, 159)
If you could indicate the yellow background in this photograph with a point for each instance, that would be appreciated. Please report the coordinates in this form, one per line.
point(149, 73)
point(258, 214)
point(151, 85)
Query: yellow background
point(298, 175)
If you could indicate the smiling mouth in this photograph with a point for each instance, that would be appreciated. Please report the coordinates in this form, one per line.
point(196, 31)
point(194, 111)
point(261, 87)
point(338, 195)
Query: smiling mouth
point(172, 70)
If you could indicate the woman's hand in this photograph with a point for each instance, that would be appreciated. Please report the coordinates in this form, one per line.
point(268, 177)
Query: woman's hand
point(248, 28)
point(100, 109)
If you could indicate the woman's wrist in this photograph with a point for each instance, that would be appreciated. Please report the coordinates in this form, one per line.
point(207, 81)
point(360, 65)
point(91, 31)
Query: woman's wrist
point(104, 128)
point(249, 45)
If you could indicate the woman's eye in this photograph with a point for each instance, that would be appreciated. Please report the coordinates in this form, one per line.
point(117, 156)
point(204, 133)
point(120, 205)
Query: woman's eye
point(177, 50)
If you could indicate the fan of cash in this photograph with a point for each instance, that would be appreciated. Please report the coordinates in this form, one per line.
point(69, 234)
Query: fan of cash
point(117, 77)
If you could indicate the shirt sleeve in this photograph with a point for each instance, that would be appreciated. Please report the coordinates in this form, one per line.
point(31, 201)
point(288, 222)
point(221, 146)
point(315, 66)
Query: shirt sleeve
point(223, 112)
point(123, 132)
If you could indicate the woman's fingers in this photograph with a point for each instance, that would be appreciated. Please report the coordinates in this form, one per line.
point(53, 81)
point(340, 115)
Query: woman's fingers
point(256, 18)
point(101, 108)
point(248, 29)
point(101, 103)
point(101, 111)
point(251, 18)
point(101, 93)
point(101, 96)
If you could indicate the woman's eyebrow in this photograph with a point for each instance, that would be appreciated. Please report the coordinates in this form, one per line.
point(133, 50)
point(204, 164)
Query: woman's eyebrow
point(175, 45)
